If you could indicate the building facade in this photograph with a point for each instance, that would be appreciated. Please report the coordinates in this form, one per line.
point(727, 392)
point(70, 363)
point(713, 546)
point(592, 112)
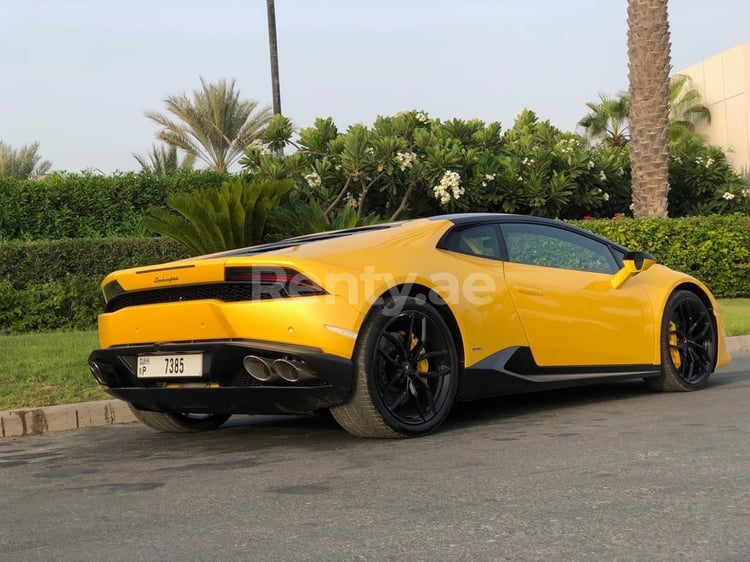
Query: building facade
point(724, 84)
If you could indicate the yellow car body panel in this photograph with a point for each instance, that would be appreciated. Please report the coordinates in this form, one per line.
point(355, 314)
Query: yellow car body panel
point(580, 319)
point(296, 322)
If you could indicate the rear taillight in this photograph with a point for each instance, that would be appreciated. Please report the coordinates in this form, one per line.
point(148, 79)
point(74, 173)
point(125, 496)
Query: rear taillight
point(269, 282)
point(111, 290)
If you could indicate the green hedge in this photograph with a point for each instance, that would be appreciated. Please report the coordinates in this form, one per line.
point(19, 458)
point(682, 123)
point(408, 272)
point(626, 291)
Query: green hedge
point(714, 249)
point(87, 205)
point(54, 285)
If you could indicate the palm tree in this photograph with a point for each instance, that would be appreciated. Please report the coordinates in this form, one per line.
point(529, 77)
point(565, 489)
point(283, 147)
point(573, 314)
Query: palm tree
point(608, 120)
point(24, 163)
point(649, 65)
point(215, 125)
point(274, 50)
point(164, 161)
point(686, 109)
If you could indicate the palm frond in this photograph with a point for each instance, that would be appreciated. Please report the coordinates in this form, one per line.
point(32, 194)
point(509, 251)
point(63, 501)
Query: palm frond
point(214, 124)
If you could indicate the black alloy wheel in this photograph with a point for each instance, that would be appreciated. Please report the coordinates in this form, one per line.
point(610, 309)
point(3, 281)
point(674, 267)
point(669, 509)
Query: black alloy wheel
point(688, 344)
point(406, 366)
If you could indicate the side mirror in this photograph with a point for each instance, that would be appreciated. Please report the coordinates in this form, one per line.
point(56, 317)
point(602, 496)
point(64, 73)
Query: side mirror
point(633, 262)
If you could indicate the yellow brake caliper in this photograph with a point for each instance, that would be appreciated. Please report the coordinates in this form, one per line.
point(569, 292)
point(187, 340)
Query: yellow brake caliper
point(673, 351)
point(423, 366)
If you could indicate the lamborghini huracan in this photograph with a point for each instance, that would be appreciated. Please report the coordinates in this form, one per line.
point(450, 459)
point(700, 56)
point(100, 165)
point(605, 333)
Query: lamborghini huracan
point(388, 326)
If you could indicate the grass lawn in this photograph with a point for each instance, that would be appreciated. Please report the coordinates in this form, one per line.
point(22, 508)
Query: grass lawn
point(43, 369)
point(736, 313)
point(50, 368)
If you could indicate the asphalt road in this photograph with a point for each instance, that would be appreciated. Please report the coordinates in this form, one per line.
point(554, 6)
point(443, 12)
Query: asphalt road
point(602, 473)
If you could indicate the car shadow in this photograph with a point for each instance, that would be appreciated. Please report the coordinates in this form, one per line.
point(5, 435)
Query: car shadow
point(261, 434)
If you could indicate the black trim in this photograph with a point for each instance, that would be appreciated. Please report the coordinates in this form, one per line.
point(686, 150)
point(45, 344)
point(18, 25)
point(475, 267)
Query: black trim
point(234, 390)
point(300, 240)
point(514, 370)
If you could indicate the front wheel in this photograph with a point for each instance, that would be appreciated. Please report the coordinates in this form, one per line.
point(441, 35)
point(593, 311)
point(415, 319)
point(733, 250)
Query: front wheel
point(406, 369)
point(688, 345)
point(179, 423)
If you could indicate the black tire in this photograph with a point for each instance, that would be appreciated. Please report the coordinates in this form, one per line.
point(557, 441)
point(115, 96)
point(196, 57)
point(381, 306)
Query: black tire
point(179, 423)
point(688, 345)
point(406, 372)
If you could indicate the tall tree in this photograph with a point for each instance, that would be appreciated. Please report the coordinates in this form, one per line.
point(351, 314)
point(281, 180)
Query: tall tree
point(215, 125)
point(649, 66)
point(164, 161)
point(274, 50)
point(23, 163)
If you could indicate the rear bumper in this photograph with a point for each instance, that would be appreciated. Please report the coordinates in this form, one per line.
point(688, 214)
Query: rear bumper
point(226, 387)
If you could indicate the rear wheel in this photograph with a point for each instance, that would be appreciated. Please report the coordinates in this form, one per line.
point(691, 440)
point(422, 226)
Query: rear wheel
point(688, 345)
point(179, 423)
point(406, 369)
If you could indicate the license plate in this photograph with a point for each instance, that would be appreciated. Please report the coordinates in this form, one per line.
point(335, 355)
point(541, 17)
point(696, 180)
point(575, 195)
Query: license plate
point(170, 366)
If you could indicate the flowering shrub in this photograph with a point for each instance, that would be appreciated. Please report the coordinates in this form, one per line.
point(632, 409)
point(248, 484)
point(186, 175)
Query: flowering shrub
point(410, 165)
point(702, 182)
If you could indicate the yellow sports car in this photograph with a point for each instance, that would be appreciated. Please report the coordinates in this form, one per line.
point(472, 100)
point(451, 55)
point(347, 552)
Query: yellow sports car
point(387, 326)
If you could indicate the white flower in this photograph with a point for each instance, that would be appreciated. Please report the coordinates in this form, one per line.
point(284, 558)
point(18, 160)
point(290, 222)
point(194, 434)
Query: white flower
point(313, 179)
point(369, 150)
point(602, 176)
point(528, 162)
point(448, 188)
point(519, 178)
point(404, 160)
point(632, 207)
point(590, 165)
point(421, 116)
point(709, 161)
point(746, 192)
point(489, 177)
point(620, 171)
point(605, 196)
point(728, 196)
point(258, 145)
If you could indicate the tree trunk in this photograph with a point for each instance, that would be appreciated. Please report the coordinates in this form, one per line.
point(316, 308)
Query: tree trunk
point(649, 66)
point(273, 48)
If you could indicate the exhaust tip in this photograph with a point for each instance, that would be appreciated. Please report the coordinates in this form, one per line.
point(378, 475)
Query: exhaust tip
point(286, 370)
point(258, 368)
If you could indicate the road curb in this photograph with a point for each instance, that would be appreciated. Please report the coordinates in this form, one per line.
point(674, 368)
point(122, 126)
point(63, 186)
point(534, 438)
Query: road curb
point(738, 344)
point(34, 421)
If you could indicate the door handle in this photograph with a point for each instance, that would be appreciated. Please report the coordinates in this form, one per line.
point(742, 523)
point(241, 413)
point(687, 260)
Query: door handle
point(529, 290)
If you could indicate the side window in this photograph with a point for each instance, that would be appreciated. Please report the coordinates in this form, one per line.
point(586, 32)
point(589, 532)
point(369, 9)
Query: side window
point(548, 246)
point(475, 241)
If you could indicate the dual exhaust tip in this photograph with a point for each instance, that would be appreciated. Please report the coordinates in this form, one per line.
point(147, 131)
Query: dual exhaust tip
point(267, 370)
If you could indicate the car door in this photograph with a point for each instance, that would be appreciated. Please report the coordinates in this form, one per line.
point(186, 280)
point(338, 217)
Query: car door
point(559, 280)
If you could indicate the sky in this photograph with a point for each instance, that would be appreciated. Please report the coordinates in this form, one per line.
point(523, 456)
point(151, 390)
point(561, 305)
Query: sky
point(78, 75)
